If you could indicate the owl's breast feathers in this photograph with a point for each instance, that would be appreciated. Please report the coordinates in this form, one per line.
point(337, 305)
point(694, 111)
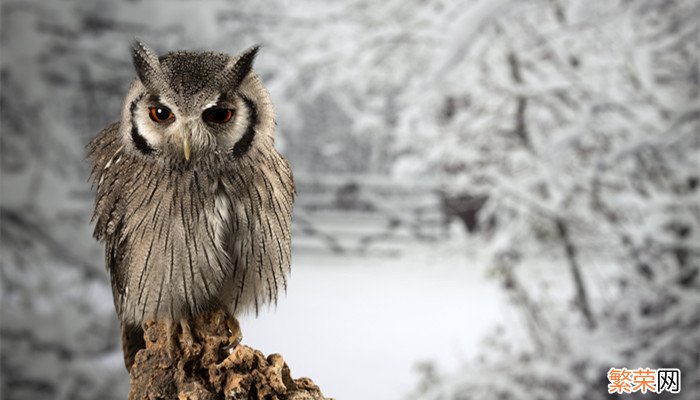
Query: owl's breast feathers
point(178, 242)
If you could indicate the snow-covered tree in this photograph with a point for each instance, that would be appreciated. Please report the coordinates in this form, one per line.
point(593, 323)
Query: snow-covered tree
point(578, 121)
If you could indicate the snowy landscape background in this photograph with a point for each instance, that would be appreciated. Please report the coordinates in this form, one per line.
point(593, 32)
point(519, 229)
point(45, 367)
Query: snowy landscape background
point(497, 199)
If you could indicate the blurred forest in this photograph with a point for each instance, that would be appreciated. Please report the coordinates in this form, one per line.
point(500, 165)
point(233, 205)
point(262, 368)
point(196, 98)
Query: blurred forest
point(562, 135)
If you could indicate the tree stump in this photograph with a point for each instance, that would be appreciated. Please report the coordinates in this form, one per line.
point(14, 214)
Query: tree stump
point(194, 364)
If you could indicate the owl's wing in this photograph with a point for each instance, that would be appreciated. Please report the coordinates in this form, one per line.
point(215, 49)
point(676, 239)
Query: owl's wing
point(259, 230)
point(102, 152)
point(115, 261)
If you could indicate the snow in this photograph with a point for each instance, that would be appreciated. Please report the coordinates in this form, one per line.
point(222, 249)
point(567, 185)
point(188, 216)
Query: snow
point(359, 326)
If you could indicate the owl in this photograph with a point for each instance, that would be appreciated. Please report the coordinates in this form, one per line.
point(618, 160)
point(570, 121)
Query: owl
point(193, 201)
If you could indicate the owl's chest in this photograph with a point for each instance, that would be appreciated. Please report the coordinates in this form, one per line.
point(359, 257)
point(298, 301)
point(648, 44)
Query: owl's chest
point(190, 213)
point(180, 240)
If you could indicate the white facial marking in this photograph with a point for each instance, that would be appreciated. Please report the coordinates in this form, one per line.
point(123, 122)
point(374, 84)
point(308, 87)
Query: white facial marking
point(209, 105)
point(146, 126)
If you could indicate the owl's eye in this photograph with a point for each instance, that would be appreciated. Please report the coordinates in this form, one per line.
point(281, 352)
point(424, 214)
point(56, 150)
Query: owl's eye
point(160, 114)
point(218, 115)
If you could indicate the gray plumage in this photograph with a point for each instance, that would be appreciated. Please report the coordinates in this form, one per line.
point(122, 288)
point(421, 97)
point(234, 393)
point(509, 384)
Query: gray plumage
point(195, 213)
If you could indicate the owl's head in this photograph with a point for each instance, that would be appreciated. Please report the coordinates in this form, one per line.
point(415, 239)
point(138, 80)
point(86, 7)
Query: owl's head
point(187, 106)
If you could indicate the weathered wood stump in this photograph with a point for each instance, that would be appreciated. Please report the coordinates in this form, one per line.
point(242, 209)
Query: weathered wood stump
point(195, 364)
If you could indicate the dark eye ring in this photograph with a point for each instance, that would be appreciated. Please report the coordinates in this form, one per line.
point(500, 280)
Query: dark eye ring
point(218, 115)
point(160, 114)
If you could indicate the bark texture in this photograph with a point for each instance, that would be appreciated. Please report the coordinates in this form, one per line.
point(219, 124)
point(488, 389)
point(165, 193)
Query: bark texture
point(192, 363)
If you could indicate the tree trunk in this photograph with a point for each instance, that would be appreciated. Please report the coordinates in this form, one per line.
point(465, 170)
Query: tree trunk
point(581, 292)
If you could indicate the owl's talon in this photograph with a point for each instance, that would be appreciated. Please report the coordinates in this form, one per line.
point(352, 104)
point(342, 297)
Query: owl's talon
point(233, 342)
point(186, 337)
point(235, 335)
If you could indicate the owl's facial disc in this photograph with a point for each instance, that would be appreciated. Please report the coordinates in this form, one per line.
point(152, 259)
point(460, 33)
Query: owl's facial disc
point(186, 105)
point(197, 129)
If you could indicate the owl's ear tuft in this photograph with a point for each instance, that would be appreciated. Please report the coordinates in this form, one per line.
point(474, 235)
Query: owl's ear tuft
point(241, 68)
point(147, 66)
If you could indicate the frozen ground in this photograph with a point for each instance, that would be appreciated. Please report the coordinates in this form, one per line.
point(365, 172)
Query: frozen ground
point(358, 326)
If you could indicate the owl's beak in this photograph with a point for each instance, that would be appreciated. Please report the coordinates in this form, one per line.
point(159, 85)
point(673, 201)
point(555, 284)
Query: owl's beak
point(186, 148)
